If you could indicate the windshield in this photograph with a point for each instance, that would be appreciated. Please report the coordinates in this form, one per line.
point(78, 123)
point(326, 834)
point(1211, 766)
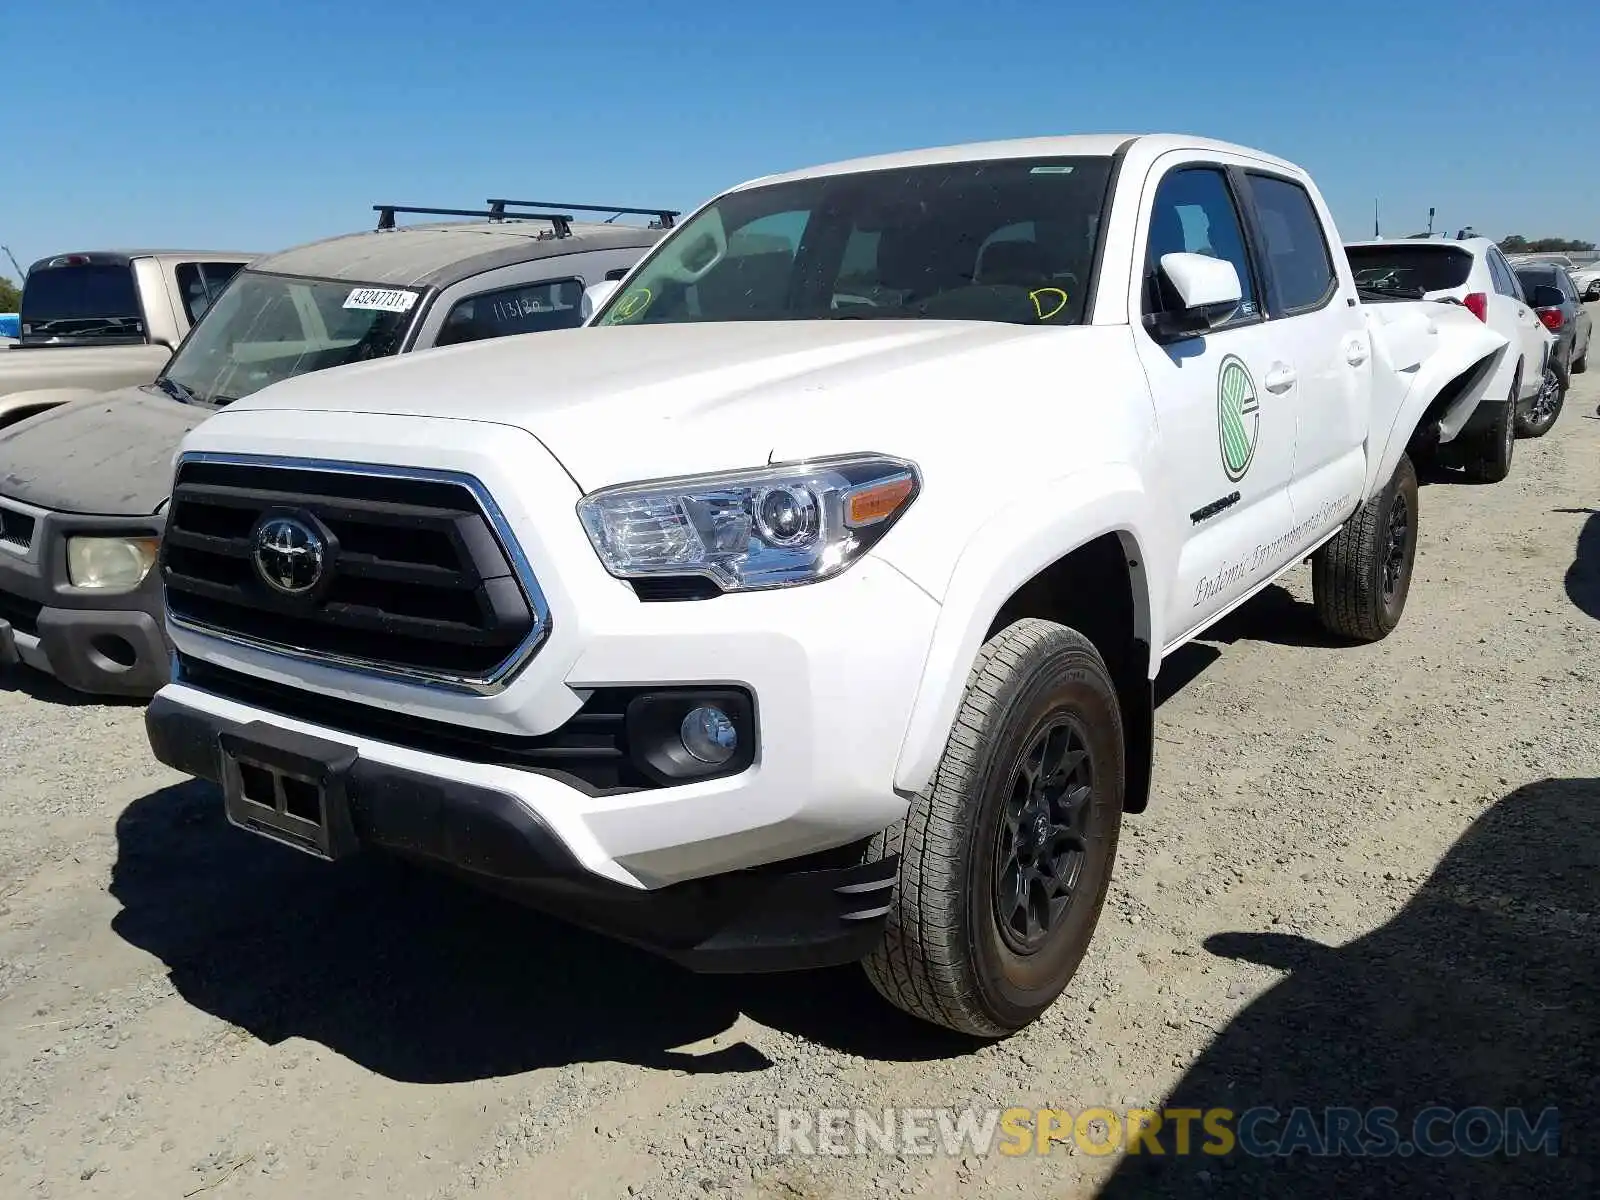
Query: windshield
point(1411, 269)
point(266, 328)
point(1009, 240)
point(81, 302)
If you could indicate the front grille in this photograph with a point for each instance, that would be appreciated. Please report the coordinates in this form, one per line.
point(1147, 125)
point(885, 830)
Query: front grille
point(590, 751)
point(16, 528)
point(22, 615)
point(415, 578)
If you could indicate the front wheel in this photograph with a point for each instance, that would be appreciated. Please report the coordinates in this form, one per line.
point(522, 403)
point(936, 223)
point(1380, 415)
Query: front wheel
point(1360, 579)
point(1546, 405)
point(1006, 856)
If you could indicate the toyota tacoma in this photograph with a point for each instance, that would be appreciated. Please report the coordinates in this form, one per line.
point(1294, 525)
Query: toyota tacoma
point(804, 606)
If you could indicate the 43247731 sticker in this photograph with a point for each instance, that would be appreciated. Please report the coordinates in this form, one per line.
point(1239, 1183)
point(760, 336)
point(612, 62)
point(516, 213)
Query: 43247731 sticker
point(1238, 417)
point(395, 300)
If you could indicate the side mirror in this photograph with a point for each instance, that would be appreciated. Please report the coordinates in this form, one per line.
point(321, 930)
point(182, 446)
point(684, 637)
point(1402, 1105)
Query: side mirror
point(1545, 295)
point(1201, 293)
point(594, 296)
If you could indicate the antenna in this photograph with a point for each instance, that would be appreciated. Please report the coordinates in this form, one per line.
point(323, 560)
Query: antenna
point(14, 263)
point(1430, 222)
point(1375, 232)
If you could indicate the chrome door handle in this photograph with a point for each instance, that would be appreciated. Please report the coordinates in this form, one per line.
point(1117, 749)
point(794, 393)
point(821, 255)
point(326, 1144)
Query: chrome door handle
point(1280, 379)
point(1355, 354)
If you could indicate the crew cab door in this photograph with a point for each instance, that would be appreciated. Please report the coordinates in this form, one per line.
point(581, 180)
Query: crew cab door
point(1227, 429)
point(1318, 331)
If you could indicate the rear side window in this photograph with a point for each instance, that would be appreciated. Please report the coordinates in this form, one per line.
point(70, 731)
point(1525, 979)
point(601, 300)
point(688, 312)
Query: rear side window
point(1409, 269)
point(82, 302)
point(527, 308)
point(1505, 279)
point(199, 285)
point(1296, 248)
point(1532, 277)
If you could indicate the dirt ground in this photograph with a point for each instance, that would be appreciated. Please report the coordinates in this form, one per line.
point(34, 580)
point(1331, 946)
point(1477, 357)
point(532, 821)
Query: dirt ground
point(1369, 876)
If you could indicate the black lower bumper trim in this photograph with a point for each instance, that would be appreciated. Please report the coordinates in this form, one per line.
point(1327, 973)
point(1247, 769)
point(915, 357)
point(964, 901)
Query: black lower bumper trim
point(778, 917)
point(106, 652)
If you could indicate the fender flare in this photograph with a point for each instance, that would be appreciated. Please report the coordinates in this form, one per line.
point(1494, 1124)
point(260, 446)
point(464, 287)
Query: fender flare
point(1002, 554)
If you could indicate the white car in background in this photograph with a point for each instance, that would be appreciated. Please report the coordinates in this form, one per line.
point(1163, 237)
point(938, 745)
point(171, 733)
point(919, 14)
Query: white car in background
point(1586, 279)
point(1475, 273)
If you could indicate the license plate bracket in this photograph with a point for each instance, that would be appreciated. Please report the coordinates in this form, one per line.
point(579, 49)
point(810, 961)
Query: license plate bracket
point(289, 787)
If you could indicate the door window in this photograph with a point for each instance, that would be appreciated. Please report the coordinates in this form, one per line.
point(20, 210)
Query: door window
point(525, 308)
point(1298, 258)
point(1194, 213)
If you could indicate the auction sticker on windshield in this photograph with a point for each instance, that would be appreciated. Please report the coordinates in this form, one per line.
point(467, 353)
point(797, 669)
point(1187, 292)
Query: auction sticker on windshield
point(380, 299)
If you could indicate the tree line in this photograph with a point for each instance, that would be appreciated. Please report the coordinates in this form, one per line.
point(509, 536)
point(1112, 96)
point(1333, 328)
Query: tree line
point(1517, 244)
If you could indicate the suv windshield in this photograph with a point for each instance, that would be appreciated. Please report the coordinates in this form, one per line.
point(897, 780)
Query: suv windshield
point(82, 301)
point(265, 328)
point(1009, 240)
point(1412, 269)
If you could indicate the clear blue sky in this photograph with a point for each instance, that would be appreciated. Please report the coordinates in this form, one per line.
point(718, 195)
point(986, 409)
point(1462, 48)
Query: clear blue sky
point(185, 123)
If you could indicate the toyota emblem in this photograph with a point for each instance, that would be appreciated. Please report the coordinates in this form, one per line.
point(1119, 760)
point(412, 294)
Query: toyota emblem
point(289, 555)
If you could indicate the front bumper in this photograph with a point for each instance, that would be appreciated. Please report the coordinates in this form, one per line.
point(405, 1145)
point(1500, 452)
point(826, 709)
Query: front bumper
point(821, 911)
point(107, 645)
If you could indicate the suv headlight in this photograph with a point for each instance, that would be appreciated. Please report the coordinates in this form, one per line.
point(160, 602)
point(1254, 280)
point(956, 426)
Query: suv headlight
point(773, 527)
point(110, 564)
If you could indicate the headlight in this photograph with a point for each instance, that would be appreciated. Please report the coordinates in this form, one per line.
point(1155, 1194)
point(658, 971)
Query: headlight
point(111, 564)
point(773, 527)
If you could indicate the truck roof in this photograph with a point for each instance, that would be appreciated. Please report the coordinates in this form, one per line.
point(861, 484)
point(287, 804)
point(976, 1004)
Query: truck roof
point(1093, 144)
point(441, 253)
point(123, 257)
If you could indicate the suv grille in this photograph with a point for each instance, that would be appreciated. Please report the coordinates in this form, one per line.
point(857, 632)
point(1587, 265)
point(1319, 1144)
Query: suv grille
point(16, 528)
point(413, 580)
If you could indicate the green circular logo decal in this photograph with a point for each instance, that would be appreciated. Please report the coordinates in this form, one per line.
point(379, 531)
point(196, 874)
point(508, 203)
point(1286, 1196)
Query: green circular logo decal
point(1238, 417)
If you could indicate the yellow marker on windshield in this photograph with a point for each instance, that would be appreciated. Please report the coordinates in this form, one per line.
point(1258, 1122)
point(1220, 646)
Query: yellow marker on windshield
point(1039, 304)
point(631, 305)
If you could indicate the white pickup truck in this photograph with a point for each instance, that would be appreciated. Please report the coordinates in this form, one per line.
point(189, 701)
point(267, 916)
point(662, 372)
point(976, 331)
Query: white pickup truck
point(804, 606)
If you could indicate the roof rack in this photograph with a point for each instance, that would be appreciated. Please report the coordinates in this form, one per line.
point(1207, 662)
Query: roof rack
point(562, 222)
point(663, 216)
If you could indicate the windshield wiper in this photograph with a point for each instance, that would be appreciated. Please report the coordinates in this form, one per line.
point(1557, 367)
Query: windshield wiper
point(178, 391)
point(1390, 293)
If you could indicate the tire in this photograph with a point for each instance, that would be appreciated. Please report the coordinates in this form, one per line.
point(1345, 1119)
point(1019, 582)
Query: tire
point(1581, 363)
point(1488, 459)
point(945, 958)
point(1547, 404)
point(1360, 579)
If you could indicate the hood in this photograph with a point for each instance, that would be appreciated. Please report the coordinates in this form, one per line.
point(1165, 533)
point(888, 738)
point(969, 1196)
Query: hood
point(109, 455)
point(624, 403)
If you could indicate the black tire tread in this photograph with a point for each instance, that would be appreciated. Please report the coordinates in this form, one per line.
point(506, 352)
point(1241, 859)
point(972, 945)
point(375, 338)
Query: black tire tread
point(1343, 588)
point(919, 965)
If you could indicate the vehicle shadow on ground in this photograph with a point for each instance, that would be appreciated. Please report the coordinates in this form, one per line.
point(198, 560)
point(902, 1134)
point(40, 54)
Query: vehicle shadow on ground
point(45, 689)
point(424, 979)
point(1481, 992)
point(1272, 615)
point(1583, 576)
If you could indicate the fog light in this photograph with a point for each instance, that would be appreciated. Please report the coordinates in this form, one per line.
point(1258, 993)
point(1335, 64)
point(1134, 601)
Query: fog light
point(709, 735)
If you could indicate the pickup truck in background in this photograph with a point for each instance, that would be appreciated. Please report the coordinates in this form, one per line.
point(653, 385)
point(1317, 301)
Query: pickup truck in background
point(104, 319)
point(805, 605)
point(83, 486)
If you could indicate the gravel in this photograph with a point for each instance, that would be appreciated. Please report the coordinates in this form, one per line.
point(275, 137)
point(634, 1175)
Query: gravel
point(1368, 876)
